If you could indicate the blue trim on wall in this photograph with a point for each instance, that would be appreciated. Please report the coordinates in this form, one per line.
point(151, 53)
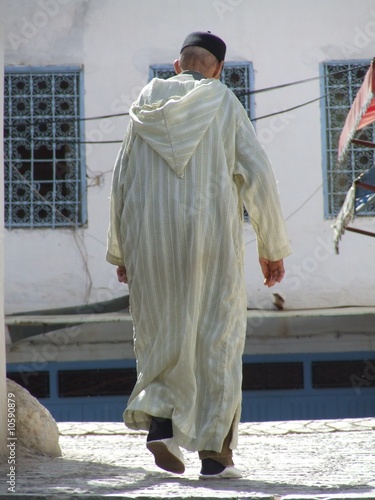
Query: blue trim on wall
point(266, 405)
point(83, 193)
point(96, 409)
point(323, 132)
point(308, 403)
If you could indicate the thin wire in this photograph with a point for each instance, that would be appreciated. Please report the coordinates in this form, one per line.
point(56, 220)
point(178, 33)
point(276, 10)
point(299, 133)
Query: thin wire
point(296, 210)
point(103, 116)
point(92, 142)
point(305, 202)
point(47, 202)
point(75, 226)
point(80, 243)
point(282, 85)
point(289, 109)
point(297, 82)
point(239, 93)
point(252, 119)
point(120, 141)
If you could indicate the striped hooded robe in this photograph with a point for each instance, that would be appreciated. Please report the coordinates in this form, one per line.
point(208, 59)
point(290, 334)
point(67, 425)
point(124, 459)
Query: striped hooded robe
point(189, 161)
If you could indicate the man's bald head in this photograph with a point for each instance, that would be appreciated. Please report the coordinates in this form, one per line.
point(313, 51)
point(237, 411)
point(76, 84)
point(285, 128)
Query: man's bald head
point(194, 58)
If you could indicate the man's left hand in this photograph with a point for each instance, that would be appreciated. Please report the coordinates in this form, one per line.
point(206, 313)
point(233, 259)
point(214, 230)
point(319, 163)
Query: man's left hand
point(121, 274)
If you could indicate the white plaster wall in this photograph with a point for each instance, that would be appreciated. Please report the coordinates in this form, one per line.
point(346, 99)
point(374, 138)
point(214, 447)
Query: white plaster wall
point(116, 41)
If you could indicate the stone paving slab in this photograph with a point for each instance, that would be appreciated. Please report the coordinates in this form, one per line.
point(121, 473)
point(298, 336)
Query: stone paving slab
point(255, 428)
point(295, 460)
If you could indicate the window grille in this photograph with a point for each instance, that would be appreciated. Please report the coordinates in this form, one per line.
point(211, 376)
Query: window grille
point(272, 376)
point(96, 382)
point(44, 185)
point(37, 383)
point(341, 374)
point(341, 84)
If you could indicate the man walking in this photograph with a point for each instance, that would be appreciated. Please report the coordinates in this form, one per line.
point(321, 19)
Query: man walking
point(189, 161)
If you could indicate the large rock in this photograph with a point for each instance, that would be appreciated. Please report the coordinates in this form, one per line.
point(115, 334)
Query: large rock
point(36, 430)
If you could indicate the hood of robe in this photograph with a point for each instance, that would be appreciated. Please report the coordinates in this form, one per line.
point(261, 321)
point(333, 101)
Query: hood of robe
point(174, 127)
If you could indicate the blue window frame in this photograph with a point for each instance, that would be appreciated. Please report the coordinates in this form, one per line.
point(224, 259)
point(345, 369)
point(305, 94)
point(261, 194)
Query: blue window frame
point(341, 82)
point(43, 152)
point(238, 76)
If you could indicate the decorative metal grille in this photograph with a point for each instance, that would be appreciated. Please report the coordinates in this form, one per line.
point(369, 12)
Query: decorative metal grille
point(236, 75)
point(334, 374)
point(96, 382)
point(341, 84)
point(43, 182)
point(272, 376)
point(36, 382)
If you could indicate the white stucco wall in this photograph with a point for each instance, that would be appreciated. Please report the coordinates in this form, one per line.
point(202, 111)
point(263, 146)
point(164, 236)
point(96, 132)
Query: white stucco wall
point(116, 41)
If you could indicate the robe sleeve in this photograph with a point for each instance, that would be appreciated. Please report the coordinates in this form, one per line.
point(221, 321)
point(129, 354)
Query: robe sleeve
point(256, 183)
point(114, 253)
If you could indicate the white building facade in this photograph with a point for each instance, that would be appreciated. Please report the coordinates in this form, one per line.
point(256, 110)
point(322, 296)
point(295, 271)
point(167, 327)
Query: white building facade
point(72, 70)
point(111, 46)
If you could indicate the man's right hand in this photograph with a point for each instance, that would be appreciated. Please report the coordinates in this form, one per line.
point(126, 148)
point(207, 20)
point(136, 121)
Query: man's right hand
point(273, 271)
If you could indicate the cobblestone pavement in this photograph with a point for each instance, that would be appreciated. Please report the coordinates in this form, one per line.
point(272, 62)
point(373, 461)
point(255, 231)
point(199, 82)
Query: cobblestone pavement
point(292, 460)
